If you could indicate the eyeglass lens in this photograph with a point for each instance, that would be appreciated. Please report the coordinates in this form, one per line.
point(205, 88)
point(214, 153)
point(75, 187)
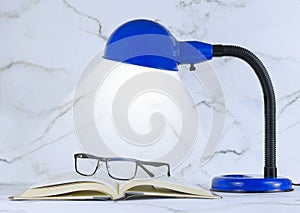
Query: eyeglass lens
point(86, 166)
point(121, 169)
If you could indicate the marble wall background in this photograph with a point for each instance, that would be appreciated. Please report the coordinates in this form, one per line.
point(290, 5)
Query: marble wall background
point(44, 46)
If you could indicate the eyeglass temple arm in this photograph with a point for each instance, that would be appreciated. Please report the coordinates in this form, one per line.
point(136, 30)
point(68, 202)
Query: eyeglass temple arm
point(157, 164)
point(146, 170)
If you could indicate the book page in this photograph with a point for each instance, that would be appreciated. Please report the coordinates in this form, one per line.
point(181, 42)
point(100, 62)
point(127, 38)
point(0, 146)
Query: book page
point(165, 186)
point(71, 190)
point(139, 191)
point(71, 177)
point(98, 185)
point(81, 195)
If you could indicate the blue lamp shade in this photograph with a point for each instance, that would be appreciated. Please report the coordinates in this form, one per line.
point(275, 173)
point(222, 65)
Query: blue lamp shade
point(147, 43)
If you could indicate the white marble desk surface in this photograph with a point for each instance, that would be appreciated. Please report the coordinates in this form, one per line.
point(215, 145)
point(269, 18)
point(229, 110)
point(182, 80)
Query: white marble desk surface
point(273, 202)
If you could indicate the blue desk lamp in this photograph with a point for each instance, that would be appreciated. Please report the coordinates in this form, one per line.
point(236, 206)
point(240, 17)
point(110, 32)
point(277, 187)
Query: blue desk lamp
point(147, 43)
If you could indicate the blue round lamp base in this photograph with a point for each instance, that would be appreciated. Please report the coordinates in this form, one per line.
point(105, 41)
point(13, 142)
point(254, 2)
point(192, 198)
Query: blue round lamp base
point(250, 184)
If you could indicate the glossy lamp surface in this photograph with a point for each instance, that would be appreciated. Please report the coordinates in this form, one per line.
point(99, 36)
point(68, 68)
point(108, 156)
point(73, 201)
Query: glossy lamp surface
point(147, 43)
point(250, 184)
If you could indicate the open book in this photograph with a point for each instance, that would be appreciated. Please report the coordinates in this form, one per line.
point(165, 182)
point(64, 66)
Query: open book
point(71, 186)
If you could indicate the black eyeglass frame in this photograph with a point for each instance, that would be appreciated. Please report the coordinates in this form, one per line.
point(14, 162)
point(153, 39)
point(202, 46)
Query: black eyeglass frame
point(110, 159)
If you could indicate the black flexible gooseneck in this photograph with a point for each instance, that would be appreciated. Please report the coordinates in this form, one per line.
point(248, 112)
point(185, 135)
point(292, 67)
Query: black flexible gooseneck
point(270, 170)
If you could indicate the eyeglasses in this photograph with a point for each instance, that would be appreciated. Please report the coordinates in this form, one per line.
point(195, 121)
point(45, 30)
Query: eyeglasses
point(118, 168)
